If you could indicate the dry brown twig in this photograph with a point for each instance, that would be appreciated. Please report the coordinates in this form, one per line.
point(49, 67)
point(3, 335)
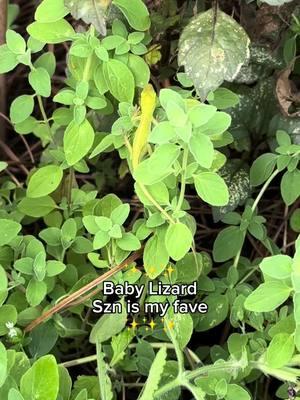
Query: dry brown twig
point(76, 295)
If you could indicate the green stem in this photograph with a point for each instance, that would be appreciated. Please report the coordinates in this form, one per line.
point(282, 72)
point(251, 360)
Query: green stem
point(158, 345)
point(186, 377)
point(88, 64)
point(154, 202)
point(253, 208)
point(44, 115)
point(183, 178)
point(179, 354)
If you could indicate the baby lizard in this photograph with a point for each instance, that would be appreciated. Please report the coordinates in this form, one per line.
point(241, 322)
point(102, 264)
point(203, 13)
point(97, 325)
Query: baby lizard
point(148, 101)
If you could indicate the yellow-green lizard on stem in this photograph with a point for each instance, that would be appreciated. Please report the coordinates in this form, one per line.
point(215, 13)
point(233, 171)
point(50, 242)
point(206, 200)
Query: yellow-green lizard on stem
point(147, 103)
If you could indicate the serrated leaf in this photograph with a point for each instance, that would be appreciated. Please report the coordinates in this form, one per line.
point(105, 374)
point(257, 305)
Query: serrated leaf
point(155, 374)
point(90, 11)
point(212, 48)
point(104, 379)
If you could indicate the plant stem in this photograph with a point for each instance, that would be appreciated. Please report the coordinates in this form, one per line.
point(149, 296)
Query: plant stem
point(182, 379)
point(44, 115)
point(263, 189)
point(183, 178)
point(253, 208)
point(92, 358)
point(154, 202)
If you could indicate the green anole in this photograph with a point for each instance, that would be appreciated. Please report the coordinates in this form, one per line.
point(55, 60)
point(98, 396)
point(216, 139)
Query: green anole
point(147, 103)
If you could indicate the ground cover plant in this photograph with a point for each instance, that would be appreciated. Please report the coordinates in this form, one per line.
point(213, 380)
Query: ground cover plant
point(149, 143)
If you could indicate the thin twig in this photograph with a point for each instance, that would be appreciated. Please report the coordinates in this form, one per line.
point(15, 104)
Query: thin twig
point(74, 296)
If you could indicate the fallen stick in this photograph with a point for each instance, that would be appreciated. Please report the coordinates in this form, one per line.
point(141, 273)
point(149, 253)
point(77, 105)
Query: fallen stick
point(74, 296)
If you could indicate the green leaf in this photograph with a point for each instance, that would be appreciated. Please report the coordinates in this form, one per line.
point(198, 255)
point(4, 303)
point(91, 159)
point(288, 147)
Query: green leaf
point(3, 165)
point(290, 186)
point(155, 255)
point(44, 181)
point(51, 32)
point(39, 80)
point(101, 239)
point(268, 296)
point(120, 214)
point(223, 98)
point(162, 133)
point(46, 61)
point(21, 108)
point(155, 374)
point(183, 327)
point(109, 325)
point(212, 188)
point(119, 344)
point(50, 11)
point(140, 70)
point(3, 364)
point(135, 12)
point(218, 308)
point(8, 60)
point(37, 207)
point(217, 125)
point(14, 394)
point(119, 80)
point(35, 292)
point(235, 392)
point(280, 350)
point(90, 11)
point(8, 231)
point(78, 140)
point(15, 42)
point(178, 240)
point(277, 267)
point(262, 168)
point(295, 220)
point(8, 313)
point(228, 243)
point(129, 242)
point(202, 149)
point(55, 267)
point(158, 191)
point(158, 165)
point(189, 268)
point(104, 379)
point(36, 384)
point(212, 48)
point(3, 279)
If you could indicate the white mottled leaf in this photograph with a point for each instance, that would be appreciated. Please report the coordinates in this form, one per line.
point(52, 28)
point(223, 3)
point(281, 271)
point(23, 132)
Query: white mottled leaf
point(213, 47)
point(90, 11)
